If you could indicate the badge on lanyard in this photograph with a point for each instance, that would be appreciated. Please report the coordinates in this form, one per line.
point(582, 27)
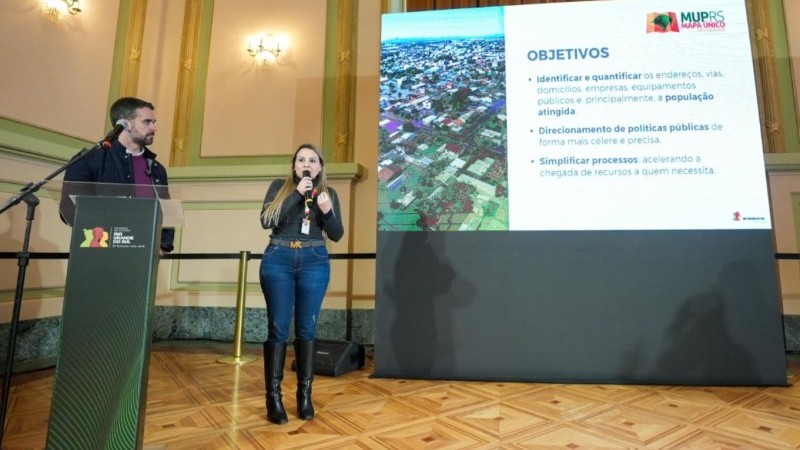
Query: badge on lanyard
point(306, 227)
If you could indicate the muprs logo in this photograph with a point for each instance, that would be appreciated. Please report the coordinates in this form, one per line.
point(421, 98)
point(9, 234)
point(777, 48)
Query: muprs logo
point(703, 20)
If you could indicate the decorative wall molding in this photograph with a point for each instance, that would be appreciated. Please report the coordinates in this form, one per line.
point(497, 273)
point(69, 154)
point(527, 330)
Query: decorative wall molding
point(186, 97)
point(133, 34)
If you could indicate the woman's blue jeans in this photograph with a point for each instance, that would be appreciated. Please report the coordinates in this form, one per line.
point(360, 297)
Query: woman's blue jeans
point(294, 280)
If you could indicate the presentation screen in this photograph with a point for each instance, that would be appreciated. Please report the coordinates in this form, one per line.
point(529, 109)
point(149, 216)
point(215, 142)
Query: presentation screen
point(613, 115)
point(574, 192)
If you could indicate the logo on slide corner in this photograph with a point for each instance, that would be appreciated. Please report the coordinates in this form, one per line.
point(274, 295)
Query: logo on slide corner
point(738, 217)
point(666, 22)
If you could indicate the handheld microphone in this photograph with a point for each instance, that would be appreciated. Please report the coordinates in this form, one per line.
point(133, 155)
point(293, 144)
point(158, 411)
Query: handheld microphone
point(309, 195)
point(112, 135)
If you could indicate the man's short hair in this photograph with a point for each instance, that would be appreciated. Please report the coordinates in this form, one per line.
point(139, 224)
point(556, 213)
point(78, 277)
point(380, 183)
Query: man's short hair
point(125, 108)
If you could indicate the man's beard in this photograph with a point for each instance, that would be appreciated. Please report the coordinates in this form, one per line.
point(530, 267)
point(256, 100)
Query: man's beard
point(145, 140)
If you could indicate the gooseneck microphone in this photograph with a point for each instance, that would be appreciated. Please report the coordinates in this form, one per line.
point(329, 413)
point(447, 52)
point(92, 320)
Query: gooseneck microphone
point(112, 135)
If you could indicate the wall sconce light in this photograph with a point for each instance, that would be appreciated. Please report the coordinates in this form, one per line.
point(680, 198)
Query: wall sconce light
point(56, 9)
point(265, 48)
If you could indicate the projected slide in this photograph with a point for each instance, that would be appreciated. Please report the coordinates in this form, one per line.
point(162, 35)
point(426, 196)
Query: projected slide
point(571, 116)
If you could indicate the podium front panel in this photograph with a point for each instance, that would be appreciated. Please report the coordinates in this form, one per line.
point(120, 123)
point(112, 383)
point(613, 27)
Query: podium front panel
point(99, 389)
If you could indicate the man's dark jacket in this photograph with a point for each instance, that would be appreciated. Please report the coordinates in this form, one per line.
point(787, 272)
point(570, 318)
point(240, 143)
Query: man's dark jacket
point(113, 165)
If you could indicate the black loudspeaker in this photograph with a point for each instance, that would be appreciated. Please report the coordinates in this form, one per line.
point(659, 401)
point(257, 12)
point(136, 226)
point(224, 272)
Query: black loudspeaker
point(334, 358)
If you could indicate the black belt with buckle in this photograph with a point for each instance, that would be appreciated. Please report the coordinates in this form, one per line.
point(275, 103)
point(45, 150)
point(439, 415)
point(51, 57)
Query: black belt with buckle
point(297, 243)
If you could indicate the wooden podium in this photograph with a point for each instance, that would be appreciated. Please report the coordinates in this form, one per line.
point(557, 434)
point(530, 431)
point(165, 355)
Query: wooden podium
point(100, 383)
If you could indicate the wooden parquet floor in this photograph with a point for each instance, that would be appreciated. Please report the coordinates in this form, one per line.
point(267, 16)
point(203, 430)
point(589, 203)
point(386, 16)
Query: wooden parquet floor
point(196, 403)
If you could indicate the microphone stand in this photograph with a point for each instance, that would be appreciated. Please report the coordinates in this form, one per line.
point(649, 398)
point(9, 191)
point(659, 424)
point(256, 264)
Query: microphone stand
point(26, 195)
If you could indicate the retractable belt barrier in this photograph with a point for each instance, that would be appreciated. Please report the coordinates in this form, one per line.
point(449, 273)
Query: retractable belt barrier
point(241, 285)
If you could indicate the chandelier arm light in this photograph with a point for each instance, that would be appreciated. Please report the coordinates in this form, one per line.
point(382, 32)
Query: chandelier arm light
point(73, 6)
point(56, 9)
point(265, 48)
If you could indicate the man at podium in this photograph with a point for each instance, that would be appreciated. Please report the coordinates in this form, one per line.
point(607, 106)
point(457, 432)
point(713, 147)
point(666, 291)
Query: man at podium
point(124, 159)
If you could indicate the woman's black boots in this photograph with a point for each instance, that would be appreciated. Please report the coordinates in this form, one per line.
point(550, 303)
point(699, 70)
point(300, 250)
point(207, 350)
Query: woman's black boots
point(274, 358)
point(304, 355)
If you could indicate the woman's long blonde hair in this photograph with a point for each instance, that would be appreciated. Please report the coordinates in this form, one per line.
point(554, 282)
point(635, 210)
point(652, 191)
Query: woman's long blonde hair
point(273, 209)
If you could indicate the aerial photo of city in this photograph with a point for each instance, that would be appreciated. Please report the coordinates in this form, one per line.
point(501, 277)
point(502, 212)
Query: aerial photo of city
point(443, 147)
